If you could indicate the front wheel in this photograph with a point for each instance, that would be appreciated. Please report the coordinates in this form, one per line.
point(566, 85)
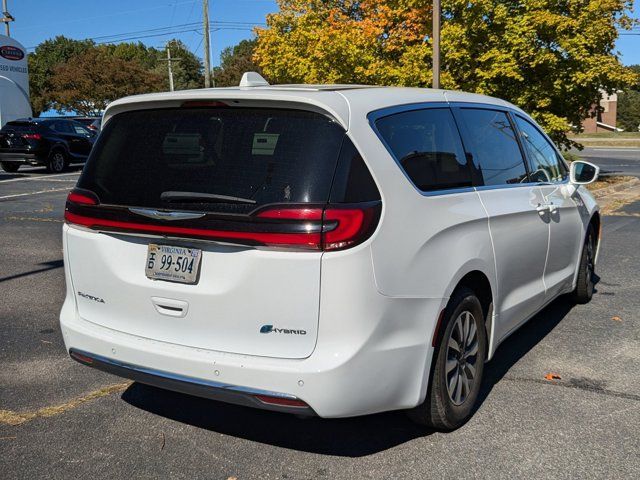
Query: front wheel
point(585, 283)
point(458, 365)
point(10, 167)
point(57, 162)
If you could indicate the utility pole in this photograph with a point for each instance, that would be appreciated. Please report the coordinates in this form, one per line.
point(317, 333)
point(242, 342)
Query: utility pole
point(6, 18)
point(170, 69)
point(207, 44)
point(169, 60)
point(436, 44)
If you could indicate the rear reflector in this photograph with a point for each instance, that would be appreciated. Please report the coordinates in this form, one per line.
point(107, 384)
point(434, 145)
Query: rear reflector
point(282, 402)
point(81, 358)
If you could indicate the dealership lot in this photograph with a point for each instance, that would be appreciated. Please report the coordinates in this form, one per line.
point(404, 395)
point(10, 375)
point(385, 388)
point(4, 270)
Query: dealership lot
point(59, 419)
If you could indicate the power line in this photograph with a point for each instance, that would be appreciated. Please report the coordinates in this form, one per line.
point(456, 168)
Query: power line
point(164, 31)
point(169, 33)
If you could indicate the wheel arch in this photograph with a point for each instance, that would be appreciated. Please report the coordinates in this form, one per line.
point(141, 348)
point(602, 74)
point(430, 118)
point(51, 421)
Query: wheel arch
point(596, 221)
point(477, 279)
point(59, 146)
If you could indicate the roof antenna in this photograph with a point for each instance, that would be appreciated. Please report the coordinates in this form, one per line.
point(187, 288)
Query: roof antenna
point(253, 79)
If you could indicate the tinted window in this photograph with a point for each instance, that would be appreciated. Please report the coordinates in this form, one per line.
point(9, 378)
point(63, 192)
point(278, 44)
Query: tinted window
point(79, 129)
point(427, 145)
point(353, 181)
point(61, 127)
point(492, 141)
point(265, 155)
point(19, 127)
point(546, 166)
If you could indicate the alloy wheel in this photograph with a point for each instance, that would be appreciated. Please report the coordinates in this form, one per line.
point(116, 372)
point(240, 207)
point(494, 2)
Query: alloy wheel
point(590, 268)
point(462, 356)
point(57, 162)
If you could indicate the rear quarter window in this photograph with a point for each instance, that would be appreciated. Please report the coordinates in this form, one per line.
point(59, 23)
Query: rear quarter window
point(427, 146)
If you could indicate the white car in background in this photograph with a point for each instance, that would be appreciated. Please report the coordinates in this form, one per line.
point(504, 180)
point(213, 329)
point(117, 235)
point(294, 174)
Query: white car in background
point(329, 250)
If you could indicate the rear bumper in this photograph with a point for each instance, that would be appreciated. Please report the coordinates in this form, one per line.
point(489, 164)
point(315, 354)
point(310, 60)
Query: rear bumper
point(23, 158)
point(385, 369)
point(246, 397)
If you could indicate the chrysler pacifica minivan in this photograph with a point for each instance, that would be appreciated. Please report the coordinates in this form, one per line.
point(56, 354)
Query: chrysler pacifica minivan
point(329, 250)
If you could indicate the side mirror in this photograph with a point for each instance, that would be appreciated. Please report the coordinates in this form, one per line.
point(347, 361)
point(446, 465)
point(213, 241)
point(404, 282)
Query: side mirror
point(582, 173)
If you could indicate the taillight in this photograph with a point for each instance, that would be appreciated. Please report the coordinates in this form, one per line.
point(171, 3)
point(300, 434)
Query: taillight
point(342, 227)
point(32, 136)
point(298, 227)
point(203, 103)
point(82, 198)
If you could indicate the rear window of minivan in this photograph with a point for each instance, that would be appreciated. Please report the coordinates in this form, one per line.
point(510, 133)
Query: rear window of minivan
point(258, 154)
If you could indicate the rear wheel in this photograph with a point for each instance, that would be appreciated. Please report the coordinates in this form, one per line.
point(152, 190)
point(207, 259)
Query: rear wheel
point(585, 283)
point(10, 167)
point(57, 161)
point(458, 365)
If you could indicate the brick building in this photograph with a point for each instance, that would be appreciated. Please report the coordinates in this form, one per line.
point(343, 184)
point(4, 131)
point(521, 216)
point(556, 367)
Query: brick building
point(604, 119)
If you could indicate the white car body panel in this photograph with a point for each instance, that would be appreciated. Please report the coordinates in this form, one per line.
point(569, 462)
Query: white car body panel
point(369, 312)
point(240, 290)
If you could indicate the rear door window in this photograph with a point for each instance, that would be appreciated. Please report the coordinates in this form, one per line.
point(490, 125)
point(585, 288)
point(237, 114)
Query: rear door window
point(427, 145)
point(260, 155)
point(490, 138)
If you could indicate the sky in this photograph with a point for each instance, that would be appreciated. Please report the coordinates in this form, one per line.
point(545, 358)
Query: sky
point(108, 20)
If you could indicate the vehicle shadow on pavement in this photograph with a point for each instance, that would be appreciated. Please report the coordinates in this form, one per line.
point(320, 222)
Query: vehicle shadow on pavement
point(351, 437)
point(521, 342)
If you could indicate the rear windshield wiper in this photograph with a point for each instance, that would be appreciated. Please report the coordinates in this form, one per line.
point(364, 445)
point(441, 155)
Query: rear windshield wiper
point(202, 198)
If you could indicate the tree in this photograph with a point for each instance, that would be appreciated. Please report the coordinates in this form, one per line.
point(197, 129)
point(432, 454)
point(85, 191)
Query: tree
point(46, 57)
point(234, 61)
point(629, 105)
point(89, 81)
point(187, 73)
point(549, 57)
point(146, 56)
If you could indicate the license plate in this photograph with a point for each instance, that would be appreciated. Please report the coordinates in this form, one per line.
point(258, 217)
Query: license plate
point(173, 264)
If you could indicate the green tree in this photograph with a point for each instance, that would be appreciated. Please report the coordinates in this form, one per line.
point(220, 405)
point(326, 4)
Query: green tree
point(42, 62)
point(549, 57)
point(629, 105)
point(234, 61)
point(188, 73)
point(147, 57)
point(89, 81)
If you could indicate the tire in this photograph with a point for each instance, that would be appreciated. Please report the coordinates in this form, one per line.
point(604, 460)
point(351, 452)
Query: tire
point(57, 161)
point(450, 402)
point(585, 283)
point(10, 167)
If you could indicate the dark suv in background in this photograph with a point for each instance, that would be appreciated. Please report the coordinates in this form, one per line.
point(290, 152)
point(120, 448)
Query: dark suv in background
point(54, 143)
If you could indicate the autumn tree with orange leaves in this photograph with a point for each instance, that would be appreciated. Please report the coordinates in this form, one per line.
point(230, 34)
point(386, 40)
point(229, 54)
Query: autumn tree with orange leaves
point(550, 57)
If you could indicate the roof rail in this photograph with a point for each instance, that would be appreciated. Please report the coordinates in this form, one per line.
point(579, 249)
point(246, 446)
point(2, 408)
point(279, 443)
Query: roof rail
point(253, 79)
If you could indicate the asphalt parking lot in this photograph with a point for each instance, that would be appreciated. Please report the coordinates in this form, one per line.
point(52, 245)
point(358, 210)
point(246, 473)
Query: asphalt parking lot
point(59, 419)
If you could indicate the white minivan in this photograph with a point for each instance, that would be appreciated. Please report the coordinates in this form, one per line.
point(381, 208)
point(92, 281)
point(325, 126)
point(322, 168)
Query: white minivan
point(329, 250)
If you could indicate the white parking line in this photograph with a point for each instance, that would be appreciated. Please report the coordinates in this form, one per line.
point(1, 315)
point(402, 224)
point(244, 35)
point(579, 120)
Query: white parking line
point(617, 149)
point(35, 193)
point(46, 178)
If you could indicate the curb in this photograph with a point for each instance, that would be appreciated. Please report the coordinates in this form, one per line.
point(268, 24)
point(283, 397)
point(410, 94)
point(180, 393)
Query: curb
point(603, 192)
